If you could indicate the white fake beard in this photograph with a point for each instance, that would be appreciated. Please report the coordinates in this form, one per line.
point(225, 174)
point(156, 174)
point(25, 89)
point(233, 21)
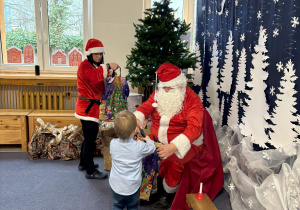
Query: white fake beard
point(170, 103)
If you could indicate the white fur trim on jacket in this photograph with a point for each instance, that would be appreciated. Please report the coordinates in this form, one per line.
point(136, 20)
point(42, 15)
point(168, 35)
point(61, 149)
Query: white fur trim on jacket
point(95, 50)
point(163, 129)
point(87, 118)
point(169, 189)
point(183, 145)
point(105, 70)
point(139, 115)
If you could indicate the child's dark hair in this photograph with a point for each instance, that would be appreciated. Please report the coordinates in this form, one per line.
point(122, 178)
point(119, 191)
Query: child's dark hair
point(125, 124)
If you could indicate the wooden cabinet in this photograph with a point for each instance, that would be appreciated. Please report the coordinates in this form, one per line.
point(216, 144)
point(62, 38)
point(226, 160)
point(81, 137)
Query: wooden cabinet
point(14, 127)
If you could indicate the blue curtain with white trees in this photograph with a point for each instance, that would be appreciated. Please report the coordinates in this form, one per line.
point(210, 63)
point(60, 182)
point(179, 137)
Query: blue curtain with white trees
point(250, 66)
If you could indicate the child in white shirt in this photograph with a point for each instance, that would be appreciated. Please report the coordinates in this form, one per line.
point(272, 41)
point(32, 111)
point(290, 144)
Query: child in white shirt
point(127, 153)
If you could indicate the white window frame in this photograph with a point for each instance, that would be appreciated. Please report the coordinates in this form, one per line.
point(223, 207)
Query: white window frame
point(42, 38)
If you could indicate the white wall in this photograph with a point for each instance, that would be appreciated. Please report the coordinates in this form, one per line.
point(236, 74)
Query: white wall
point(113, 26)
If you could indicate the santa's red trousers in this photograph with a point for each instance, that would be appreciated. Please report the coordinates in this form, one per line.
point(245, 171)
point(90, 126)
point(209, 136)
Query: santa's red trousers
point(172, 168)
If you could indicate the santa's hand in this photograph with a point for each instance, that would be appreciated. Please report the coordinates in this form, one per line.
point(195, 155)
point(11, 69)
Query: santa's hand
point(166, 150)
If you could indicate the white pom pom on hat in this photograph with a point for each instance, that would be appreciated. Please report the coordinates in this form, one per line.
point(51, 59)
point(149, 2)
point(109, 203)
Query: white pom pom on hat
point(155, 105)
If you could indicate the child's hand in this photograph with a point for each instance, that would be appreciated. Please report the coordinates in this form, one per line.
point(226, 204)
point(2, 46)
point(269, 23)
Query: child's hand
point(158, 144)
point(147, 137)
point(143, 139)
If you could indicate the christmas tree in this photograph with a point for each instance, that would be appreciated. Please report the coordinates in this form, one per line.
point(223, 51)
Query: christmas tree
point(157, 42)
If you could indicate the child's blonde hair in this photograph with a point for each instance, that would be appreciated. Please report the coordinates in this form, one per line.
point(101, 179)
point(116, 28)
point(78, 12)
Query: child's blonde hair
point(125, 124)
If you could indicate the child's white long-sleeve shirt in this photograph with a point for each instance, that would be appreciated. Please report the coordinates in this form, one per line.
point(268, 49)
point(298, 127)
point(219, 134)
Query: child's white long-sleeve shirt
point(125, 175)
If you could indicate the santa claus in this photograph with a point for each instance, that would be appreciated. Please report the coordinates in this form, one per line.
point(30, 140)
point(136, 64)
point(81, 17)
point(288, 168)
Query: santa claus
point(177, 115)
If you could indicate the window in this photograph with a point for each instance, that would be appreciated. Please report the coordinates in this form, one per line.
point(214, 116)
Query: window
point(177, 5)
point(185, 10)
point(48, 33)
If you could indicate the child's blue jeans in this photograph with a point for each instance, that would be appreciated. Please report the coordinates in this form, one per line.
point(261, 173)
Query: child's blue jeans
point(122, 201)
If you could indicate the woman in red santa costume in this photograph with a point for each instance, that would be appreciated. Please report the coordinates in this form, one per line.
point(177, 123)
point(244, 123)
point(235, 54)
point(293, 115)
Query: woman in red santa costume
point(177, 122)
point(91, 78)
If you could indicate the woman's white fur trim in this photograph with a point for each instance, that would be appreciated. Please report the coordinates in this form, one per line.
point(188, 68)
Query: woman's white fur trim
point(95, 50)
point(87, 118)
point(183, 145)
point(169, 189)
point(105, 70)
point(139, 115)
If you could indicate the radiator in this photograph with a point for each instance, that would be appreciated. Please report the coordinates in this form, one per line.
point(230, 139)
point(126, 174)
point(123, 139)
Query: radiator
point(38, 97)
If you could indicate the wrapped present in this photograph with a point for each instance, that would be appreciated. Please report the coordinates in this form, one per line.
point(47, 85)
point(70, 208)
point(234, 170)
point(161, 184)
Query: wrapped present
point(99, 145)
point(54, 149)
point(149, 175)
point(106, 158)
point(52, 142)
point(38, 143)
point(70, 144)
point(106, 134)
point(114, 98)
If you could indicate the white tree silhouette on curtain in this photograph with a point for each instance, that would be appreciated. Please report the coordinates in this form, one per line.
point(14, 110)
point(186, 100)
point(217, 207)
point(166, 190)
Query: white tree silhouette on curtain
point(233, 118)
point(226, 72)
point(256, 113)
point(285, 111)
point(213, 86)
point(222, 110)
point(241, 74)
point(198, 71)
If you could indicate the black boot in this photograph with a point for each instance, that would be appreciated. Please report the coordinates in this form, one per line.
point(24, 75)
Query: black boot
point(165, 202)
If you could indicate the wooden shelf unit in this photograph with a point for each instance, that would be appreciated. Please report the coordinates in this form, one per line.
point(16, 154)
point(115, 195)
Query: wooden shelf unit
point(14, 127)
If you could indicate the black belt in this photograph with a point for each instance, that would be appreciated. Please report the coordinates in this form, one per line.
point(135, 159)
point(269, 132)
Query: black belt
point(92, 102)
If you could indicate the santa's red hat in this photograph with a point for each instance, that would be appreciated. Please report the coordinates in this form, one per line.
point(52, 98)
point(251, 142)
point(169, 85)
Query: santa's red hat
point(170, 75)
point(94, 46)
